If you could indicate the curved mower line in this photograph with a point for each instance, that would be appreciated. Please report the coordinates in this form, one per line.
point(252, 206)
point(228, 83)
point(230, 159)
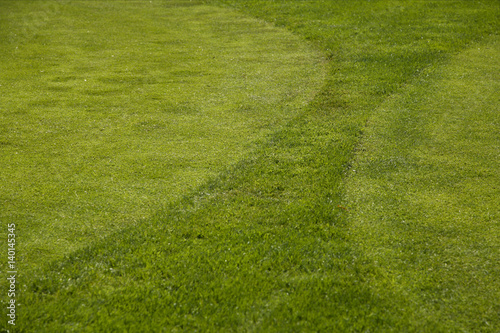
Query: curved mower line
point(128, 106)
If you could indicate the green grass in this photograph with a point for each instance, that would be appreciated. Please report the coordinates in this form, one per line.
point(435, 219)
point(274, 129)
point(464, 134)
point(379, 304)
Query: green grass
point(110, 110)
point(372, 208)
point(425, 192)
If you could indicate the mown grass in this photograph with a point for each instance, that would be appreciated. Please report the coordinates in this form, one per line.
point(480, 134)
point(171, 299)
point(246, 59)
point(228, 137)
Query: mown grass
point(283, 240)
point(425, 193)
point(110, 110)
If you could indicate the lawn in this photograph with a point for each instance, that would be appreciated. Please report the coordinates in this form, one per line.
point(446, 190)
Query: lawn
point(111, 110)
point(260, 166)
point(425, 193)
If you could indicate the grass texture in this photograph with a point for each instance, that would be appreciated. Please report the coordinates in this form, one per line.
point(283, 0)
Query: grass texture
point(110, 110)
point(372, 207)
point(425, 193)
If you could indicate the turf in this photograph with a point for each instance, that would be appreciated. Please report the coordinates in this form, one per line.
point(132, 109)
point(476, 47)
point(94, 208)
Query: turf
point(110, 110)
point(424, 192)
point(371, 209)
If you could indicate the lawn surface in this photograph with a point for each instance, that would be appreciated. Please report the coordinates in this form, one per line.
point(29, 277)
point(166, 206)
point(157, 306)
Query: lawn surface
point(110, 110)
point(425, 191)
point(374, 207)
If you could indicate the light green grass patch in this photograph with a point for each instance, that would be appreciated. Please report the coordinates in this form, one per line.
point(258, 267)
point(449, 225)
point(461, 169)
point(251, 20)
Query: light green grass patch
point(111, 109)
point(425, 191)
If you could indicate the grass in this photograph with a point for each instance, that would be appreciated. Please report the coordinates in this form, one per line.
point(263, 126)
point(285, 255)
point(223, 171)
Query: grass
point(425, 193)
point(103, 124)
point(370, 209)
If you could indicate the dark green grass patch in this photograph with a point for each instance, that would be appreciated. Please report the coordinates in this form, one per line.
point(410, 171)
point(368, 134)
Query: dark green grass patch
point(261, 248)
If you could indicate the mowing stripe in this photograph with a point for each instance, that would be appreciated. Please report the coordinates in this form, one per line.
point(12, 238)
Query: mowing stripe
point(266, 246)
point(424, 194)
point(110, 110)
